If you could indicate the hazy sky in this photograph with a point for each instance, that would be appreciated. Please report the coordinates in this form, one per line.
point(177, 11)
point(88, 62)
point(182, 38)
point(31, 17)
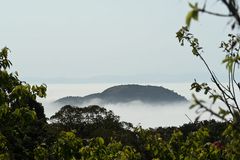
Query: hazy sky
point(128, 40)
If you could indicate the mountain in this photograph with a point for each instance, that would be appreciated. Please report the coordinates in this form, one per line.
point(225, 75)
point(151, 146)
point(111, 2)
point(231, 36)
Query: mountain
point(125, 94)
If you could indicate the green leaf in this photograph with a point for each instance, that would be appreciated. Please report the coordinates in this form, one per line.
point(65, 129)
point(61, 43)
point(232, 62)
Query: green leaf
point(100, 141)
point(179, 35)
point(148, 147)
point(223, 112)
point(155, 152)
point(195, 14)
point(191, 5)
point(189, 18)
point(17, 112)
point(195, 52)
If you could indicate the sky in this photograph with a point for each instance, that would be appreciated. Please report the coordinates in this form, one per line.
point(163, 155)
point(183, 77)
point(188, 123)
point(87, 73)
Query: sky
point(80, 41)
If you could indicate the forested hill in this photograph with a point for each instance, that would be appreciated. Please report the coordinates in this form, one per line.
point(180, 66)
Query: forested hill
point(125, 94)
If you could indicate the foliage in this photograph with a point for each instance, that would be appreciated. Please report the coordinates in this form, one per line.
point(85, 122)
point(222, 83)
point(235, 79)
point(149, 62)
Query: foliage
point(231, 5)
point(197, 145)
point(225, 94)
point(161, 143)
point(92, 121)
point(229, 111)
point(22, 117)
point(69, 146)
point(71, 116)
point(77, 133)
point(94, 133)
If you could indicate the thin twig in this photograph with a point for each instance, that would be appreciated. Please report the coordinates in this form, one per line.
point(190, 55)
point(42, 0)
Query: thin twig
point(233, 10)
point(219, 87)
point(188, 118)
point(233, 88)
point(209, 110)
point(215, 14)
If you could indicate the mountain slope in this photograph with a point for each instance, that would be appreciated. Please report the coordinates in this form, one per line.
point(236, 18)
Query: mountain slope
point(125, 94)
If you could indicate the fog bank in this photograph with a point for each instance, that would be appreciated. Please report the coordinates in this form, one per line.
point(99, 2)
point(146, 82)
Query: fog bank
point(145, 115)
point(135, 112)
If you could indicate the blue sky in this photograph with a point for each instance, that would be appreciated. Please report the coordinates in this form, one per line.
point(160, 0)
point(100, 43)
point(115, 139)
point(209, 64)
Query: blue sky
point(107, 40)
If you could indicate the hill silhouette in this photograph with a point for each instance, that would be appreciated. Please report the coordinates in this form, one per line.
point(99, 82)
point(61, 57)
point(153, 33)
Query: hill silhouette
point(126, 94)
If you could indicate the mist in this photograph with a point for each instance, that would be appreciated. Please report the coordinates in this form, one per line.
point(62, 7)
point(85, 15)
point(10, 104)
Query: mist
point(145, 115)
point(136, 112)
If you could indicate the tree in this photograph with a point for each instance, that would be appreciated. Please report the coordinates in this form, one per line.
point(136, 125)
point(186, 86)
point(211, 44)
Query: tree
point(23, 124)
point(24, 132)
point(224, 93)
point(22, 117)
point(79, 118)
point(92, 121)
point(232, 7)
point(227, 94)
point(68, 146)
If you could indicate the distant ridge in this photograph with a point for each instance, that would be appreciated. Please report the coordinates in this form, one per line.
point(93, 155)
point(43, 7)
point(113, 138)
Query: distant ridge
point(125, 94)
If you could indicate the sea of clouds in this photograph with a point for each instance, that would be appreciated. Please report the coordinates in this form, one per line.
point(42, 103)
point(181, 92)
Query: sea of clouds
point(136, 112)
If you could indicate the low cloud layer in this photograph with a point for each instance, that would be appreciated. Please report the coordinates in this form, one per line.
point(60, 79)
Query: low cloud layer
point(142, 114)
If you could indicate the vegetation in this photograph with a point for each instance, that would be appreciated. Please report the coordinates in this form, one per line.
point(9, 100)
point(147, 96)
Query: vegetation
point(87, 133)
point(95, 133)
point(92, 132)
point(22, 117)
point(227, 94)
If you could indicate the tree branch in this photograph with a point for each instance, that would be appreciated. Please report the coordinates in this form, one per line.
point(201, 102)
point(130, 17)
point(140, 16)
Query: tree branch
point(215, 14)
point(233, 9)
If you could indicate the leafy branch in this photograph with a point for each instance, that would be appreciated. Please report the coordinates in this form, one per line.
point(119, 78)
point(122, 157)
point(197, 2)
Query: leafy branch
point(231, 5)
point(225, 94)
